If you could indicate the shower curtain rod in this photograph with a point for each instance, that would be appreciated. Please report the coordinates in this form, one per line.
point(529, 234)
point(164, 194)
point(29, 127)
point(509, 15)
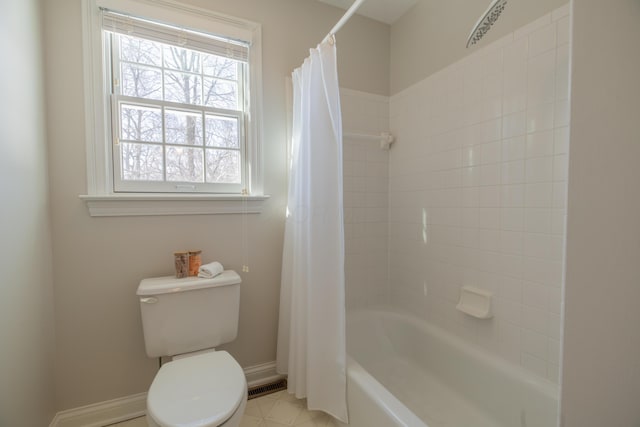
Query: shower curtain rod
point(354, 7)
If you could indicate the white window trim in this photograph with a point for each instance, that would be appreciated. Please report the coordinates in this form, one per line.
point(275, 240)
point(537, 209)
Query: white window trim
point(101, 199)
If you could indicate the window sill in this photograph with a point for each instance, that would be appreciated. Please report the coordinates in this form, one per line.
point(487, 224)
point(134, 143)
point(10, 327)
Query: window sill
point(172, 204)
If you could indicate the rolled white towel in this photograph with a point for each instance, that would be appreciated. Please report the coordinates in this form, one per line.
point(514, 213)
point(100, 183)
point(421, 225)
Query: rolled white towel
point(210, 270)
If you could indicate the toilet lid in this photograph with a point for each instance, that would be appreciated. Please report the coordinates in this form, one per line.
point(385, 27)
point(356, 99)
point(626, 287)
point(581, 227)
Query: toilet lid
point(197, 391)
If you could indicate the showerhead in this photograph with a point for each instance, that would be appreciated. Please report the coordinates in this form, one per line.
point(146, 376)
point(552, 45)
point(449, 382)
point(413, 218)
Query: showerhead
point(486, 21)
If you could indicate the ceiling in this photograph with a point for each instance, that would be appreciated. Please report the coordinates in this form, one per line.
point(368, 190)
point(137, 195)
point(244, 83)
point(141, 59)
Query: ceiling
point(387, 11)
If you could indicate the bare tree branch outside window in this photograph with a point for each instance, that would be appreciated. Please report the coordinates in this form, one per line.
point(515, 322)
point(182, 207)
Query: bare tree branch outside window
point(167, 132)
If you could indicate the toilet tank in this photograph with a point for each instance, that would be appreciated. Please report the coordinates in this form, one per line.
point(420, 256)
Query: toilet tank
point(184, 315)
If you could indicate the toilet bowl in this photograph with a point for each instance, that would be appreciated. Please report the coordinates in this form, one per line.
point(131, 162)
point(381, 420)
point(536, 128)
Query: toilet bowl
point(187, 319)
point(206, 390)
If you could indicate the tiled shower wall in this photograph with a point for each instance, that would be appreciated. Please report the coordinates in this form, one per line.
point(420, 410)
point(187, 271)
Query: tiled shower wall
point(477, 193)
point(365, 198)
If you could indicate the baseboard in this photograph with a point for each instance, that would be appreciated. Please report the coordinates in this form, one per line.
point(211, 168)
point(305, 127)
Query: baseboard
point(261, 374)
point(103, 413)
point(125, 408)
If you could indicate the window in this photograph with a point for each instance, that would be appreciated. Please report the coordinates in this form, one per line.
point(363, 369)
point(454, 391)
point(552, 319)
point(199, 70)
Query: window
point(178, 112)
point(174, 97)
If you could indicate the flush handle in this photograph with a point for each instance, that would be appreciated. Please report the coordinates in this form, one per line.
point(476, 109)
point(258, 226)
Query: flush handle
point(149, 300)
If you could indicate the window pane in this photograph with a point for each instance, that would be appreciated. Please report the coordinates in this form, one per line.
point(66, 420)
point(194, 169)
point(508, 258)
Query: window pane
point(223, 166)
point(141, 162)
point(141, 81)
point(141, 51)
point(181, 59)
point(183, 128)
point(220, 93)
point(184, 164)
point(182, 87)
point(140, 123)
point(220, 67)
point(222, 131)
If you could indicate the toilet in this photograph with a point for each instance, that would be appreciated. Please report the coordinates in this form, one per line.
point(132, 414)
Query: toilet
point(186, 319)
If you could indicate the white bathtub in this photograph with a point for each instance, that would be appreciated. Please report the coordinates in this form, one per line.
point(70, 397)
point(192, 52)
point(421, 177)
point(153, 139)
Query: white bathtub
point(405, 372)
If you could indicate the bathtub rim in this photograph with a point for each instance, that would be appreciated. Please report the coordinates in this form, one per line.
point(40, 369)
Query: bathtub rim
point(390, 405)
point(495, 361)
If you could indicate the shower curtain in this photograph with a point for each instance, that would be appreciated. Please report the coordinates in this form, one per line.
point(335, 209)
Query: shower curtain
point(311, 334)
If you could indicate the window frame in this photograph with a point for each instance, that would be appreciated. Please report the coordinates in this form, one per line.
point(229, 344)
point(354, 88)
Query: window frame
point(98, 102)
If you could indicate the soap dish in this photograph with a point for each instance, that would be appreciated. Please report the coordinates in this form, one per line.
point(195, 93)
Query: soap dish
point(475, 302)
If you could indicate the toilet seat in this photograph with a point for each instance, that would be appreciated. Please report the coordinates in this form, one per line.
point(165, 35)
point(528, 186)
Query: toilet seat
point(203, 390)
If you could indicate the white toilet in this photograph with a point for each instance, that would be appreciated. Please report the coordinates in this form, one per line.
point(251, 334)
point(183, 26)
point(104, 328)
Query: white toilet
point(187, 318)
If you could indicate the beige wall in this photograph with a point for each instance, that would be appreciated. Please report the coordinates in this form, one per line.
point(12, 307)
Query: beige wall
point(26, 301)
point(433, 34)
point(601, 379)
point(100, 261)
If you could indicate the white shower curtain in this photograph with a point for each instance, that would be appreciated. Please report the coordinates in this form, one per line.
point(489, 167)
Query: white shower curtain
point(311, 335)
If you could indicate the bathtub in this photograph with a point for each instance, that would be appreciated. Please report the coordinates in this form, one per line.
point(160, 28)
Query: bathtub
point(405, 372)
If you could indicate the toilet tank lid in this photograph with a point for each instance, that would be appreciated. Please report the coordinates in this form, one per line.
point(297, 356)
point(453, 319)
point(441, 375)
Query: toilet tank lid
point(170, 284)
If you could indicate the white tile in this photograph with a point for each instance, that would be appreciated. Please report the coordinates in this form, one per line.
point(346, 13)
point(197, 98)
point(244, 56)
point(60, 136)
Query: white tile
point(470, 217)
point(541, 92)
point(555, 326)
point(536, 295)
point(489, 218)
point(490, 174)
point(471, 156)
point(509, 337)
point(562, 72)
point(555, 300)
point(561, 12)
point(488, 131)
point(560, 195)
point(514, 100)
point(490, 196)
point(535, 320)
point(509, 310)
point(554, 351)
point(542, 67)
point(533, 26)
point(542, 40)
point(538, 220)
point(515, 55)
point(513, 148)
point(511, 289)
point(535, 344)
point(511, 242)
point(534, 364)
point(537, 245)
point(492, 83)
point(553, 373)
point(491, 152)
point(471, 176)
point(560, 167)
point(512, 196)
point(548, 272)
point(561, 113)
point(540, 144)
point(561, 140)
point(539, 169)
point(489, 240)
point(541, 117)
point(539, 195)
point(513, 125)
point(563, 30)
point(513, 172)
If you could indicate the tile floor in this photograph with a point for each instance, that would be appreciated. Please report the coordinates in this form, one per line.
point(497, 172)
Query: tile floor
point(279, 409)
